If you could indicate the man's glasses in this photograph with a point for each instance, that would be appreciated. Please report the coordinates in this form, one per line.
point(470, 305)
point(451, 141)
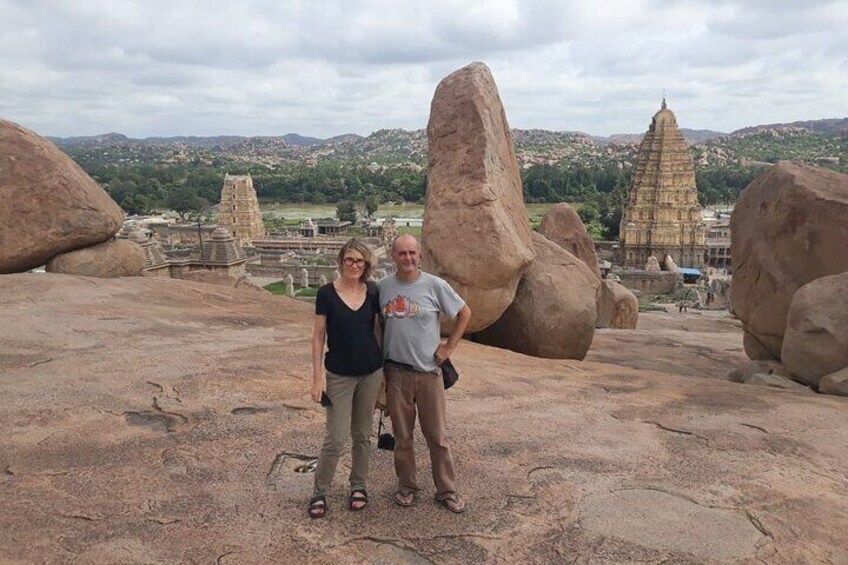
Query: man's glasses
point(350, 262)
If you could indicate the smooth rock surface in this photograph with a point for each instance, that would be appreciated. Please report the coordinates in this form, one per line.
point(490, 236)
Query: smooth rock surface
point(734, 376)
point(816, 340)
point(764, 367)
point(476, 227)
point(775, 381)
point(223, 279)
point(50, 205)
point(711, 340)
point(562, 225)
point(835, 383)
point(618, 307)
point(554, 311)
point(113, 258)
point(669, 521)
point(787, 229)
point(156, 420)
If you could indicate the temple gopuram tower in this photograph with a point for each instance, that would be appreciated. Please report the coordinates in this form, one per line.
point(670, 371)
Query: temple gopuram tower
point(239, 210)
point(662, 216)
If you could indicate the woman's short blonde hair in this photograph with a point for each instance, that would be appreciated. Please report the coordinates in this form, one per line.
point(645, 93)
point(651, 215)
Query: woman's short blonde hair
point(364, 250)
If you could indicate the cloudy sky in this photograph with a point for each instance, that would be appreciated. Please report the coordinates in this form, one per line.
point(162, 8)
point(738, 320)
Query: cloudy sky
point(327, 67)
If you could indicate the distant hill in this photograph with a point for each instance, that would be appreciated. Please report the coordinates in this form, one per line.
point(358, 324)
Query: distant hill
point(344, 138)
point(830, 126)
point(102, 139)
point(692, 136)
point(297, 139)
point(815, 141)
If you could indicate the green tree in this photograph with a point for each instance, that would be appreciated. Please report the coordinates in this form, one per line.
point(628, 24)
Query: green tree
point(368, 206)
point(589, 213)
point(184, 201)
point(346, 211)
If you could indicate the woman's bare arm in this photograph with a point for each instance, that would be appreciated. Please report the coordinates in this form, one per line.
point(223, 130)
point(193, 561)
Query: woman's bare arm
point(319, 336)
point(378, 330)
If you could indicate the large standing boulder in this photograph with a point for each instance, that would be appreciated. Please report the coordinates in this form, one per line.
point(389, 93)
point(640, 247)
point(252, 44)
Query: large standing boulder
point(50, 205)
point(476, 232)
point(788, 228)
point(562, 225)
point(618, 308)
point(554, 311)
point(816, 340)
point(114, 258)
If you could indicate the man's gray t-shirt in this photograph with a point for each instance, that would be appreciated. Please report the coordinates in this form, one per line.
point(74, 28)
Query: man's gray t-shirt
point(410, 312)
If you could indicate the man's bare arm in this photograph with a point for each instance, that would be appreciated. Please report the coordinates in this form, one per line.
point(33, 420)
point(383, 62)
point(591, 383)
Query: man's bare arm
point(445, 350)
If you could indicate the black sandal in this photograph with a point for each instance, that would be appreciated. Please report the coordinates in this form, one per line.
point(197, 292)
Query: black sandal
point(357, 495)
point(452, 502)
point(402, 494)
point(317, 506)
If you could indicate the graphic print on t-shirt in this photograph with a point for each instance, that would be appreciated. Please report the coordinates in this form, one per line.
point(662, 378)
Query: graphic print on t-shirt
point(401, 307)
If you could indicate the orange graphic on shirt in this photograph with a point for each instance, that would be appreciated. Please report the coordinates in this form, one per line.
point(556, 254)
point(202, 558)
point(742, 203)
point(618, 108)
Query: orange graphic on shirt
point(401, 307)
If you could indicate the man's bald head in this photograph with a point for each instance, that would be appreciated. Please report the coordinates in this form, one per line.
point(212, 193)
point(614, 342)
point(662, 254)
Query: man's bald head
point(405, 254)
point(405, 240)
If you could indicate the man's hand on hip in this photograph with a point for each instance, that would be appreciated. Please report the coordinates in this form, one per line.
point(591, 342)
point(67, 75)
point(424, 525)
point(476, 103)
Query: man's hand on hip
point(443, 352)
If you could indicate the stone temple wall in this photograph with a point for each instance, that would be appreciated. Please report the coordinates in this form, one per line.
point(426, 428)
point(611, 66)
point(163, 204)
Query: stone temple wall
point(651, 283)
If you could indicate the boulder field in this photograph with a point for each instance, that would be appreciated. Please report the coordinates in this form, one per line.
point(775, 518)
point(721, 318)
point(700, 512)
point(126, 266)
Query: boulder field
point(562, 225)
point(167, 421)
point(788, 228)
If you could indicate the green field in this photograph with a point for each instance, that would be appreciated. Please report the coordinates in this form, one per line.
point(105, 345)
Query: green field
point(303, 211)
point(279, 288)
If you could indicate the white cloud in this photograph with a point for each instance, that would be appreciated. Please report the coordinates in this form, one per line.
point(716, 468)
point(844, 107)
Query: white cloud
point(322, 68)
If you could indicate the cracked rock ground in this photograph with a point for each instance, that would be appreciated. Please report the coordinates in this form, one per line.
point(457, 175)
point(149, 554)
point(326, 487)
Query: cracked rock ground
point(164, 421)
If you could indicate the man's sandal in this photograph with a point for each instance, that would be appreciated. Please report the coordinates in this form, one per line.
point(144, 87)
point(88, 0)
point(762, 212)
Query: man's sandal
point(357, 495)
point(405, 497)
point(317, 506)
point(452, 502)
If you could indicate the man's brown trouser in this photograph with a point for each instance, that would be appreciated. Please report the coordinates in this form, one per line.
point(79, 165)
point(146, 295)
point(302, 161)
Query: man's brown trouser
point(405, 390)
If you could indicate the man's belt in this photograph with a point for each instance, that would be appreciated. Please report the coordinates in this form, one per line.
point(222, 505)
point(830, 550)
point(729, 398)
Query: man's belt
point(404, 366)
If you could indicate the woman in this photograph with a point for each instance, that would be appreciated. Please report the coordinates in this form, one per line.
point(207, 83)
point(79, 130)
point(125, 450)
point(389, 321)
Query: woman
point(346, 314)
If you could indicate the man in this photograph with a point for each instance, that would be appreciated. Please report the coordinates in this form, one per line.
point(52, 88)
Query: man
point(411, 302)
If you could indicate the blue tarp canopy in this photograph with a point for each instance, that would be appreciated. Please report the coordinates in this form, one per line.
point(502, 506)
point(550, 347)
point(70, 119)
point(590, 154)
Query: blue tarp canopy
point(689, 271)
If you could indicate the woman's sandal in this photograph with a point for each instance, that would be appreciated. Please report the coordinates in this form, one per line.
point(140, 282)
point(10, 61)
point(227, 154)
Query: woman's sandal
point(405, 497)
point(453, 503)
point(317, 506)
point(357, 495)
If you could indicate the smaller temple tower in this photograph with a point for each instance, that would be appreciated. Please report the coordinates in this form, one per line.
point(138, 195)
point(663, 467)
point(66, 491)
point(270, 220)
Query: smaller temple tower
point(239, 210)
point(221, 254)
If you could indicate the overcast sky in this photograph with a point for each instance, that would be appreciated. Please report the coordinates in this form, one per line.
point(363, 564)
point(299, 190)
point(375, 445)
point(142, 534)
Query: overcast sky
point(323, 68)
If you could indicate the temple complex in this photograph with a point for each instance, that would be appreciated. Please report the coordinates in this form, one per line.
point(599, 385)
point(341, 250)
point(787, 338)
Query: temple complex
point(219, 252)
point(662, 216)
point(239, 210)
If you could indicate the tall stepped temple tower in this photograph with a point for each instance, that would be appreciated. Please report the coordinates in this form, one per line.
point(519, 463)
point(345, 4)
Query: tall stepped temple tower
point(662, 216)
point(239, 210)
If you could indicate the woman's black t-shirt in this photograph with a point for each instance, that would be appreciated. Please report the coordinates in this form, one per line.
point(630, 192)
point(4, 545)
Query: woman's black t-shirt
point(352, 346)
